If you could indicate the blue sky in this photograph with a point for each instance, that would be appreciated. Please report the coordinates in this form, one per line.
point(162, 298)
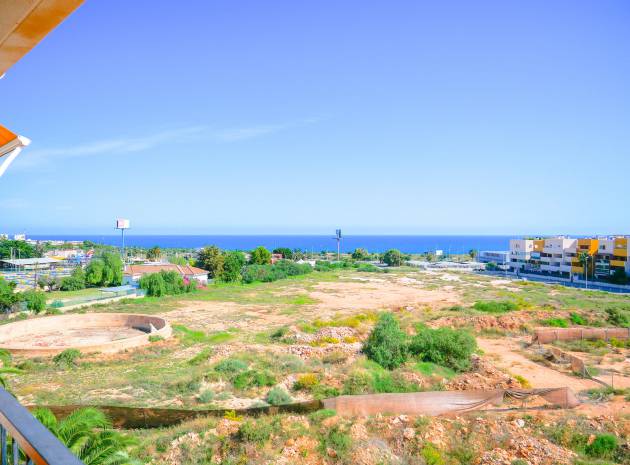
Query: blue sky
point(455, 117)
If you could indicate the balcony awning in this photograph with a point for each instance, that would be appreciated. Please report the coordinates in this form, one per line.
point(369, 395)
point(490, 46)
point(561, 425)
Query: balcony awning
point(23, 23)
point(10, 147)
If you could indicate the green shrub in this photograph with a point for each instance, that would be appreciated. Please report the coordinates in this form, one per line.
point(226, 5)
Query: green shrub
point(253, 378)
point(278, 396)
point(387, 343)
point(357, 382)
point(603, 446)
point(68, 357)
point(35, 300)
point(617, 317)
point(306, 382)
point(431, 455)
point(257, 432)
point(268, 273)
point(336, 439)
point(444, 346)
point(555, 322)
point(578, 319)
point(495, 306)
point(322, 391)
point(369, 268)
point(74, 282)
point(230, 366)
point(206, 396)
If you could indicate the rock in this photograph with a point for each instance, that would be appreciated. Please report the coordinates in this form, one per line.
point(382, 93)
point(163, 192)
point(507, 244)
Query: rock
point(409, 433)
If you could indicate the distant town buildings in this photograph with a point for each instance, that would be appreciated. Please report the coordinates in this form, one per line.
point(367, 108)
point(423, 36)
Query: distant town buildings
point(499, 257)
point(566, 257)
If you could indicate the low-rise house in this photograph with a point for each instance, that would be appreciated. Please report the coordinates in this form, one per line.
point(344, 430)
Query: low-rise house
point(133, 273)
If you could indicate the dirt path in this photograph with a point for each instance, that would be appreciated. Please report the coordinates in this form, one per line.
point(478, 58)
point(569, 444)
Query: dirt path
point(508, 358)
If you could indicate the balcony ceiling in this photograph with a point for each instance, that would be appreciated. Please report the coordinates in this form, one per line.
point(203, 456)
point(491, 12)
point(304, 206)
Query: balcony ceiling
point(23, 23)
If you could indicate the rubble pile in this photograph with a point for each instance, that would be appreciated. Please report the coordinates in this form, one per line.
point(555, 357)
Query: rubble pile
point(482, 376)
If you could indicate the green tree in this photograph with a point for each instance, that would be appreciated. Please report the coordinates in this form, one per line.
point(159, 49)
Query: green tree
point(94, 272)
point(74, 282)
point(106, 270)
point(21, 249)
point(393, 257)
point(360, 254)
point(211, 259)
point(285, 252)
point(584, 258)
point(473, 253)
point(35, 300)
point(619, 276)
point(154, 253)
point(387, 343)
point(233, 263)
point(154, 284)
point(260, 256)
point(8, 297)
point(89, 435)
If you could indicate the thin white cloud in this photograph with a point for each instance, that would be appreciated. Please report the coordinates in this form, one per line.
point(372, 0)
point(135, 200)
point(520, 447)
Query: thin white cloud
point(32, 158)
point(14, 203)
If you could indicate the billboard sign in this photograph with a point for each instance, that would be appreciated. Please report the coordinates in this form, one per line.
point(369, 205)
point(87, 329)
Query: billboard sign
point(122, 223)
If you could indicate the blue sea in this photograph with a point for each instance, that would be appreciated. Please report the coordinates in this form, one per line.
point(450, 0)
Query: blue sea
point(315, 243)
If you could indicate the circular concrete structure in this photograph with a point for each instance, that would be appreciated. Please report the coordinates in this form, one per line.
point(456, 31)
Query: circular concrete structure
point(89, 332)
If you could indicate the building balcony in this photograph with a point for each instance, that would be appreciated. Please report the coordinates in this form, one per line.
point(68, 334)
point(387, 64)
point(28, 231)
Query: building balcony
point(22, 434)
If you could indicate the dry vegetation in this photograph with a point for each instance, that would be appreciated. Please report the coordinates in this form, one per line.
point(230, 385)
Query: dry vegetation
point(238, 346)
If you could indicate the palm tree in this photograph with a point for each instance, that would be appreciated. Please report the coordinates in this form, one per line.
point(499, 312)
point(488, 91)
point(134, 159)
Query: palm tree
point(583, 257)
point(89, 435)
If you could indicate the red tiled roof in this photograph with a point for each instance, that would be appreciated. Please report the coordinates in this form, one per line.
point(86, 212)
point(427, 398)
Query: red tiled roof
point(184, 270)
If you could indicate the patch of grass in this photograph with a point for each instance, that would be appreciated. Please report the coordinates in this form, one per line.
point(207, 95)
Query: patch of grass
point(230, 366)
point(432, 369)
point(495, 306)
point(603, 446)
point(555, 322)
point(320, 415)
point(67, 358)
point(155, 338)
point(201, 357)
point(302, 299)
point(219, 337)
point(253, 378)
point(189, 336)
point(578, 319)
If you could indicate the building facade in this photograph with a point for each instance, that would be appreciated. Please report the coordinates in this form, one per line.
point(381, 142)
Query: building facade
point(568, 257)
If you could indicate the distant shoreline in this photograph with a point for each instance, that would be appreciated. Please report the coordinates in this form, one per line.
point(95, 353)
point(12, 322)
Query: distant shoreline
point(450, 244)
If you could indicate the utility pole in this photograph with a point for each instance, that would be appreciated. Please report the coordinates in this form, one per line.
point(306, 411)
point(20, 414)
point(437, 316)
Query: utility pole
point(338, 239)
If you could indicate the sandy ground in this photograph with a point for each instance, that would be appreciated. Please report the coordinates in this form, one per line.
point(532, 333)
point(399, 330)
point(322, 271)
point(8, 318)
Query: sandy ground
point(372, 295)
point(72, 337)
point(508, 358)
point(356, 296)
